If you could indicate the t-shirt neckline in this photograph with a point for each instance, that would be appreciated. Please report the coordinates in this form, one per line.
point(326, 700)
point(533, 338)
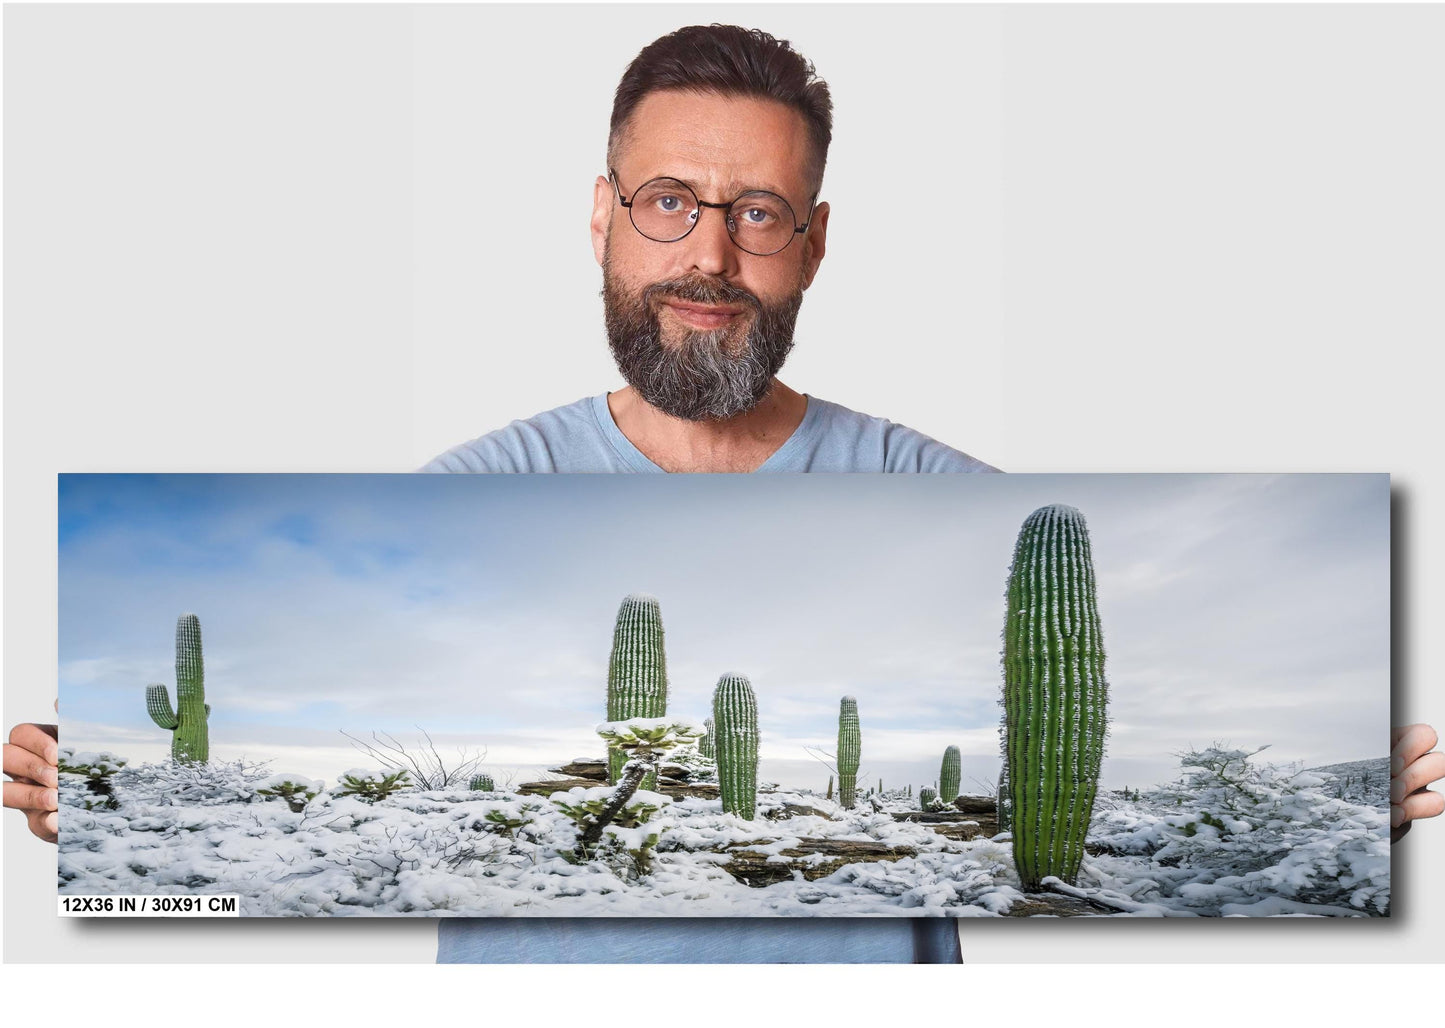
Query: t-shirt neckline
point(639, 461)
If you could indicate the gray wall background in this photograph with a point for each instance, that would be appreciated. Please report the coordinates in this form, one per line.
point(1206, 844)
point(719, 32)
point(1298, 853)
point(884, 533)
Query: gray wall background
point(1064, 239)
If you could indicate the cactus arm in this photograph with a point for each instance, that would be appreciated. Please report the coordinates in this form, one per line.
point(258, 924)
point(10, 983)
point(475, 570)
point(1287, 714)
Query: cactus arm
point(158, 706)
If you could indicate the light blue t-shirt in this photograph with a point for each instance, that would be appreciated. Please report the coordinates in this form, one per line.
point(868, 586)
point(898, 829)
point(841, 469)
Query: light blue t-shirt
point(582, 438)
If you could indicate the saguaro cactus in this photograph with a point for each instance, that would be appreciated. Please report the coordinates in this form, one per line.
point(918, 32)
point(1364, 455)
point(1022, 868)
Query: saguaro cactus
point(735, 715)
point(636, 672)
point(950, 774)
point(705, 747)
point(1055, 694)
point(927, 798)
point(190, 740)
point(850, 743)
point(482, 783)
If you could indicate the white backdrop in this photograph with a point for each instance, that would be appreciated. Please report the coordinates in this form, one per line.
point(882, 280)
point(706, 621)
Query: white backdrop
point(1063, 239)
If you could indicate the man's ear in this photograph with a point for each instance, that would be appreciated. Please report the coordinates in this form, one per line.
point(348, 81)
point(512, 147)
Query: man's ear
point(602, 204)
point(816, 242)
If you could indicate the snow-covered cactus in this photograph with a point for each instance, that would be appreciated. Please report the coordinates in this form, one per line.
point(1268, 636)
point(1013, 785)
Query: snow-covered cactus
point(482, 783)
point(927, 798)
point(830, 787)
point(95, 769)
point(295, 790)
point(850, 742)
point(950, 774)
point(705, 746)
point(642, 742)
point(1055, 694)
point(190, 740)
point(636, 671)
point(371, 786)
point(735, 715)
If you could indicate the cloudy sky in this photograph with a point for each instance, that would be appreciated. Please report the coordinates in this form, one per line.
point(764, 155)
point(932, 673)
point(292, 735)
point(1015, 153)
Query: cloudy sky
point(1247, 609)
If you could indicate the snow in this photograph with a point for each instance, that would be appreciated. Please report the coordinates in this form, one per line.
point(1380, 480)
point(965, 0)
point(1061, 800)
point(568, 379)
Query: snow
point(1276, 843)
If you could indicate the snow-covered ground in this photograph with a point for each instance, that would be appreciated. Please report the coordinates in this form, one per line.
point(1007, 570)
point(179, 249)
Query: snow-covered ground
point(1230, 838)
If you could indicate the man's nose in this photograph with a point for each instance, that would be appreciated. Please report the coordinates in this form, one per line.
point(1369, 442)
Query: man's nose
point(709, 245)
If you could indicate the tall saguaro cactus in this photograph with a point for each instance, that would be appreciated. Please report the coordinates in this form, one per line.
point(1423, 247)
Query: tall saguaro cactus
point(1055, 694)
point(950, 774)
point(735, 717)
point(850, 744)
point(190, 740)
point(636, 672)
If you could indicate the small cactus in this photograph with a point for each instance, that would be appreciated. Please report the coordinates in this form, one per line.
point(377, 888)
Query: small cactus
point(636, 672)
point(190, 739)
point(849, 747)
point(735, 714)
point(294, 790)
point(371, 786)
point(705, 746)
point(950, 775)
point(830, 787)
point(927, 798)
point(482, 783)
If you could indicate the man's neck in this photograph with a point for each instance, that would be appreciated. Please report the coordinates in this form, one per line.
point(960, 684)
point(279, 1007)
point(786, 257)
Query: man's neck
point(741, 443)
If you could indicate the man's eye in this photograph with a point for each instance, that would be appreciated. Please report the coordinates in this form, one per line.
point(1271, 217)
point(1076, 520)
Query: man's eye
point(756, 216)
point(669, 204)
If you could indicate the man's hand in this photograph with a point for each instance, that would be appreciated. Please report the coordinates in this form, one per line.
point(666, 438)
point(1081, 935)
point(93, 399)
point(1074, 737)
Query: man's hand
point(31, 759)
point(1412, 768)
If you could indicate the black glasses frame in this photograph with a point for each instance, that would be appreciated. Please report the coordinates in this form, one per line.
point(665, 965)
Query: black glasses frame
point(797, 229)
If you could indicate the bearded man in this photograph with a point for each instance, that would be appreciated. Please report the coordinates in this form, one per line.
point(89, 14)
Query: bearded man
point(709, 229)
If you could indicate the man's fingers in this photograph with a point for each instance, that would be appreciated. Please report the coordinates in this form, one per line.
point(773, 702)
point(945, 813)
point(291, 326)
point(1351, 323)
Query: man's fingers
point(1410, 744)
point(20, 796)
point(44, 825)
point(21, 763)
point(1415, 806)
point(1419, 775)
point(38, 739)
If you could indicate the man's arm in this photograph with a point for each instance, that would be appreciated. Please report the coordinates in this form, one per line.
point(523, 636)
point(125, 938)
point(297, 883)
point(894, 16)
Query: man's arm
point(32, 761)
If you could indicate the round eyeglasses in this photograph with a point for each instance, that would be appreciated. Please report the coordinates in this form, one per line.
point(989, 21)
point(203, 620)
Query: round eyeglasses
point(666, 209)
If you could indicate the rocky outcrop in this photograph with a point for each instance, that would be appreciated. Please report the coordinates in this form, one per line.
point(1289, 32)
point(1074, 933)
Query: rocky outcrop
point(588, 774)
point(759, 871)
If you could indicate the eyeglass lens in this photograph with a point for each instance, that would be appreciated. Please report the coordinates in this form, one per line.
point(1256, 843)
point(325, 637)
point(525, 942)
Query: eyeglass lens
point(665, 210)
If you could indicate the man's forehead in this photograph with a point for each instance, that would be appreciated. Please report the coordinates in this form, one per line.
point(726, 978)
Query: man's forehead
point(729, 144)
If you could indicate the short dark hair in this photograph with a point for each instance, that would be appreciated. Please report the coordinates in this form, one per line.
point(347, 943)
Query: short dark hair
point(730, 61)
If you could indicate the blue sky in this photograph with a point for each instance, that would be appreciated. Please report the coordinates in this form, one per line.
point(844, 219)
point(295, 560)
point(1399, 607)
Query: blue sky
point(1248, 609)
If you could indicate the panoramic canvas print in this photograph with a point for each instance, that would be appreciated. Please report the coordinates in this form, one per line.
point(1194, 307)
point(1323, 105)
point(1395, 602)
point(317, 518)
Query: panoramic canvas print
point(727, 695)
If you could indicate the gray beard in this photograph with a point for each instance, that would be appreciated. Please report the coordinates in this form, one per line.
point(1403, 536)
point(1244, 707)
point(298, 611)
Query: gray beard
point(700, 379)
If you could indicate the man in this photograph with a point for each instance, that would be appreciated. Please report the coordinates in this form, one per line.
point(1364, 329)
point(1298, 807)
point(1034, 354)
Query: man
point(708, 229)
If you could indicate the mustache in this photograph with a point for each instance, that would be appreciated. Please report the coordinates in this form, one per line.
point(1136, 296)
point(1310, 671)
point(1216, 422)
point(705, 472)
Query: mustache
point(694, 289)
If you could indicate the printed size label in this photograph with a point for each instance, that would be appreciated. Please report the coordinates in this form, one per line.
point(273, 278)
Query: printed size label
point(150, 906)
